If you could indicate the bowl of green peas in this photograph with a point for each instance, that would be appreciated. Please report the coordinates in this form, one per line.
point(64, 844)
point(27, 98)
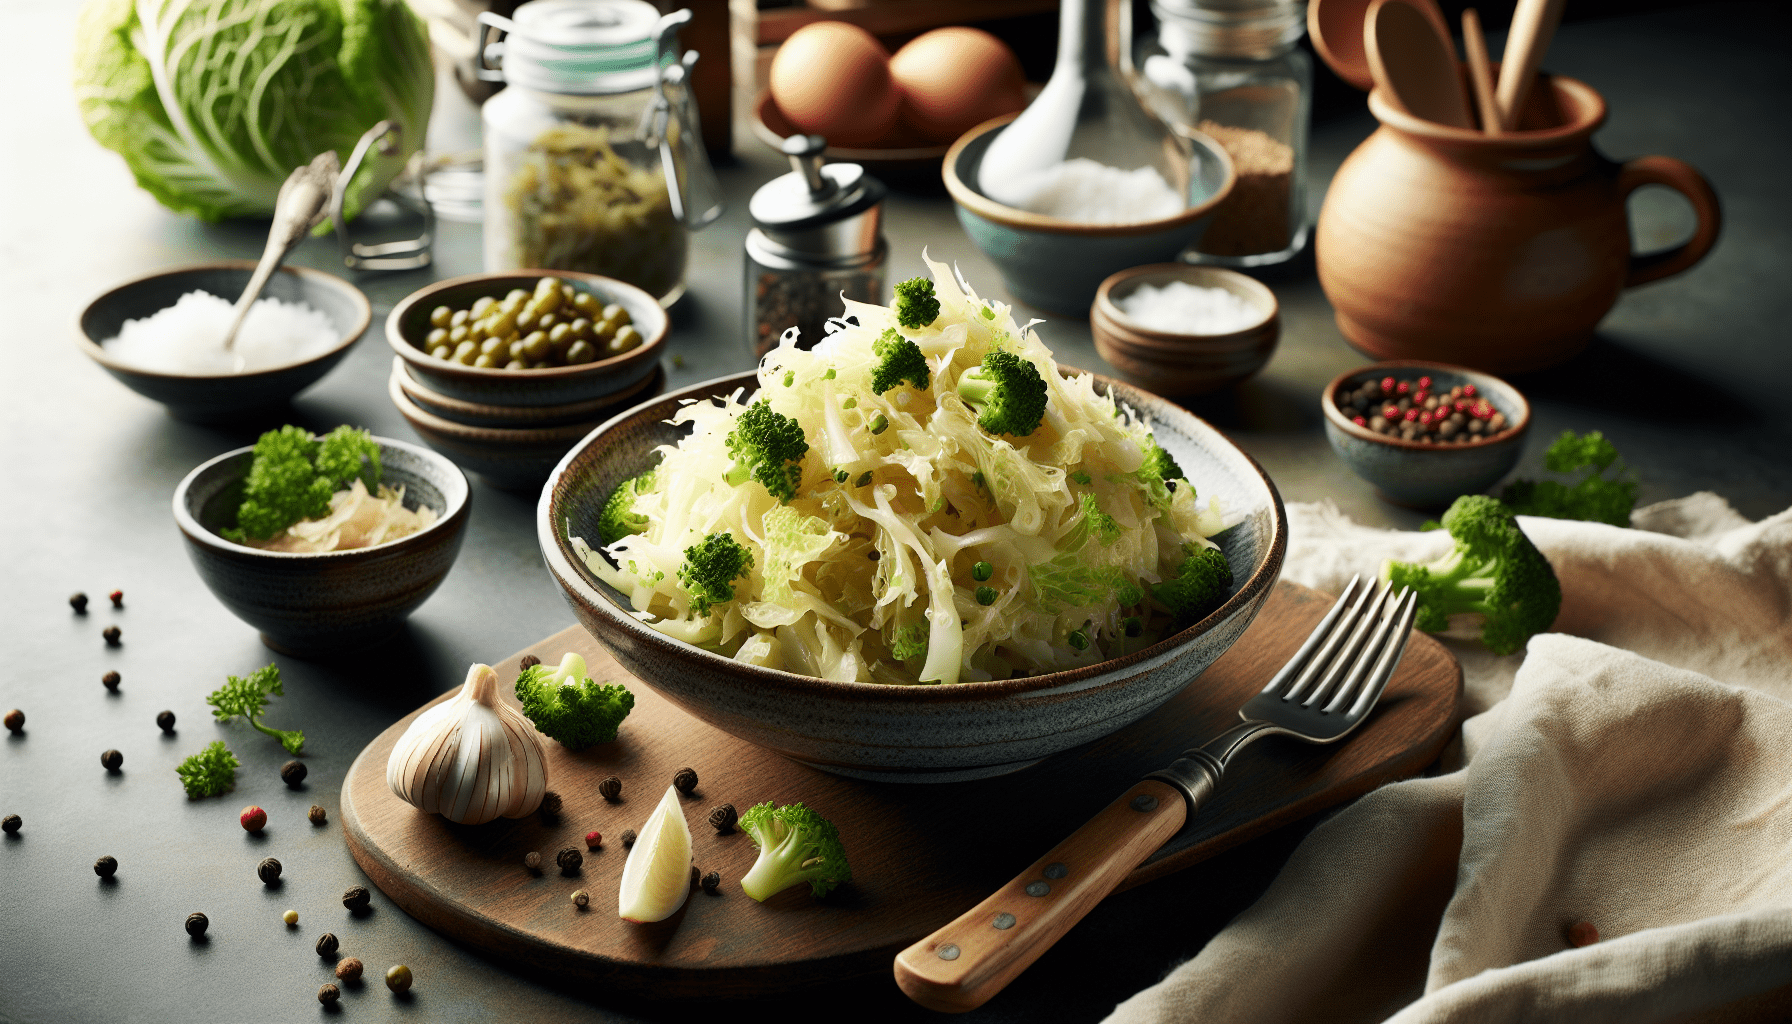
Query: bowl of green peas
point(528, 337)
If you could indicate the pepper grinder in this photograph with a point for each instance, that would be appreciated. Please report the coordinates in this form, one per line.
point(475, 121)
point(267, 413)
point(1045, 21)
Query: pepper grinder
point(817, 237)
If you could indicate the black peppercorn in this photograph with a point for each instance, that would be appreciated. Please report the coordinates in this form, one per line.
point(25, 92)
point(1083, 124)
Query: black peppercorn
point(529, 661)
point(78, 601)
point(165, 721)
point(628, 839)
point(327, 945)
point(569, 860)
point(106, 867)
point(550, 805)
point(532, 861)
point(328, 994)
point(269, 870)
point(196, 923)
point(111, 680)
point(610, 789)
point(685, 780)
point(349, 970)
point(15, 720)
point(317, 814)
point(111, 760)
point(723, 818)
point(712, 882)
point(293, 773)
point(11, 824)
point(112, 634)
point(356, 898)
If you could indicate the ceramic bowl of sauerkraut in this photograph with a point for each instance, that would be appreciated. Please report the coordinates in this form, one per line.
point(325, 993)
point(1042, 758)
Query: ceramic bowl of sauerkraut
point(919, 550)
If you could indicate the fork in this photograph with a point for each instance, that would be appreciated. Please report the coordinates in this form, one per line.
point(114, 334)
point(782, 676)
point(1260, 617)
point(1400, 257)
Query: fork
point(1322, 694)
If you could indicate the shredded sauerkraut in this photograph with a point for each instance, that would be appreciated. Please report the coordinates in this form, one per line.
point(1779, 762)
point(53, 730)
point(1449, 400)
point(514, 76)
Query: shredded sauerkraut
point(356, 519)
point(869, 573)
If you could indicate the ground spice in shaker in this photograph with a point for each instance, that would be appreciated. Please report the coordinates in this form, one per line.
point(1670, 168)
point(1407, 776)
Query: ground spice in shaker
point(1254, 218)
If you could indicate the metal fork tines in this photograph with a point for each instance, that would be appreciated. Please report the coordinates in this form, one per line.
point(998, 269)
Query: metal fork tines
point(1324, 692)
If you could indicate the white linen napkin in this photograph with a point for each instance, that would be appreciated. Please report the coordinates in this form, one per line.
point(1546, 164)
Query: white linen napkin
point(1632, 770)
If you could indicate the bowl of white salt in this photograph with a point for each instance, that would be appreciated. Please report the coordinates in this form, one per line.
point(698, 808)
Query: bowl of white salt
point(162, 336)
point(1182, 330)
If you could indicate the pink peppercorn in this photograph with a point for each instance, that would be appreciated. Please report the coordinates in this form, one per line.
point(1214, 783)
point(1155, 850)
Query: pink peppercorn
point(1468, 390)
point(1387, 385)
point(253, 819)
point(1359, 421)
point(1402, 388)
point(1425, 383)
point(1411, 415)
point(593, 840)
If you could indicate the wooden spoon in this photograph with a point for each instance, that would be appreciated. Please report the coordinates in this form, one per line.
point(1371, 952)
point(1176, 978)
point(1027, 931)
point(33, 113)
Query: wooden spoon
point(1533, 25)
point(1414, 62)
point(1480, 72)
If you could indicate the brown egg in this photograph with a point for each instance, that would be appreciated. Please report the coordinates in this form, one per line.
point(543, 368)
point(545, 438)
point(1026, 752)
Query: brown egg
point(833, 79)
point(954, 79)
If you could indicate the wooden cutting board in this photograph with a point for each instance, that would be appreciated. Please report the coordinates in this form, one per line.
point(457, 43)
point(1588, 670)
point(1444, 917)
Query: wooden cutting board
point(920, 853)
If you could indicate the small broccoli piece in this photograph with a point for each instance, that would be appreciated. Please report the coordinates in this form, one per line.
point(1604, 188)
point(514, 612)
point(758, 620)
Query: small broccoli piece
point(1007, 393)
point(1201, 584)
point(899, 360)
point(769, 448)
point(619, 518)
point(796, 845)
point(565, 705)
point(1156, 473)
point(248, 698)
point(209, 772)
point(910, 642)
point(710, 568)
point(1493, 571)
point(915, 305)
point(1595, 497)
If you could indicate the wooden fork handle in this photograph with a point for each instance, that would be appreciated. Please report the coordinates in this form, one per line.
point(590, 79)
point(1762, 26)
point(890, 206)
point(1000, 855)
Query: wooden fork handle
point(962, 965)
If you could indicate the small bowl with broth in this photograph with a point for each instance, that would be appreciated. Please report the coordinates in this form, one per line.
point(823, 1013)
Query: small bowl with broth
point(528, 337)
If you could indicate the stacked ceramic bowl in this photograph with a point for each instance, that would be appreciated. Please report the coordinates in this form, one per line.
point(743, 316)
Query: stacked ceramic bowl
point(1186, 359)
point(512, 426)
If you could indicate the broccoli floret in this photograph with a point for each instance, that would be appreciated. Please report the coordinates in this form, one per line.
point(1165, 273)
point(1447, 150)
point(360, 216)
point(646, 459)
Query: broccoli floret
point(1595, 497)
point(910, 642)
point(796, 845)
point(1201, 584)
point(209, 772)
point(293, 475)
point(710, 568)
point(769, 448)
point(1493, 571)
point(899, 360)
point(1155, 474)
point(248, 698)
point(915, 305)
point(1006, 392)
point(567, 706)
point(619, 518)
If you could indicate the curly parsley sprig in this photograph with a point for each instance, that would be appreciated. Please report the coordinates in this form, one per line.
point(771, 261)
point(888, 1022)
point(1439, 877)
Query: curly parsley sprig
point(247, 698)
point(209, 772)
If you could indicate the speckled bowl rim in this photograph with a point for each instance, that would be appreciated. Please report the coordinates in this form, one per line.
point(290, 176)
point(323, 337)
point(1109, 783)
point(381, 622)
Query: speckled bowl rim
point(557, 554)
point(1520, 423)
point(457, 494)
point(599, 408)
point(410, 353)
point(422, 420)
point(1025, 220)
point(1105, 311)
point(97, 352)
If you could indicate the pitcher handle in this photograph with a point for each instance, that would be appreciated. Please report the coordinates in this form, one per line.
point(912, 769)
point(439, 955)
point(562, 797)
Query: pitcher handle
point(1684, 179)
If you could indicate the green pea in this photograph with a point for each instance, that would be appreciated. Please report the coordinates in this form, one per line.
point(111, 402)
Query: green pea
point(483, 306)
point(580, 352)
point(840, 476)
point(586, 303)
point(525, 320)
point(516, 296)
point(537, 346)
point(986, 596)
point(465, 353)
point(581, 328)
point(982, 571)
point(547, 321)
point(850, 403)
point(456, 335)
point(488, 361)
point(436, 337)
point(516, 350)
point(603, 330)
point(879, 423)
point(617, 314)
point(441, 351)
point(459, 318)
point(864, 478)
point(500, 323)
point(561, 336)
point(439, 316)
point(547, 295)
point(626, 339)
point(516, 364)
point(492, 347)
point(828, 375)
point(1078, 639)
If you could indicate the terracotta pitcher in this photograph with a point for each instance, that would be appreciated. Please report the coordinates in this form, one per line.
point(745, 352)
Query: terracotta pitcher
point(1500, 253)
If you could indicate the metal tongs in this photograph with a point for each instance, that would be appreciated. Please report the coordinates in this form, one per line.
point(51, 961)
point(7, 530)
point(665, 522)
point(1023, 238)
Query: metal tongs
point(408, 254)
point(696, 194)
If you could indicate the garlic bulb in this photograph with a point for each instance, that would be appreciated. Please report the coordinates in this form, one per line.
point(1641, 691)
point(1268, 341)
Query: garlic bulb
point(470, 758)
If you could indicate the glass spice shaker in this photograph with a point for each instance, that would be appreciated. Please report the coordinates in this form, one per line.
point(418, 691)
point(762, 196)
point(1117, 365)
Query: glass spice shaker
point(817, 234)
point(1231, 70)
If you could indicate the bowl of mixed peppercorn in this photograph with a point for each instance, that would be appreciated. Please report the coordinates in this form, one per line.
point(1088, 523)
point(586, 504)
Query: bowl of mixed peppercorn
point(1425, 433)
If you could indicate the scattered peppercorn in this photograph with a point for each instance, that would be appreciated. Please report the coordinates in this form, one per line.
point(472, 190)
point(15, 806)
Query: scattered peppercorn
point(291, 917)
point(111, 760)
point(723, 818)
point(111, 635)
point(529, 661)
point(610, 788)
point(117, 598)
point(106, 867)
point(1582, 933)
point(327, 945)
point(532, 861)
point(317, 814)
point(15, 720)
point(356, 898)
point(269, 871)
point(78, 601)
point(593, 840)
point(398, 979)
point(253, 819)
point(685, 780)
point(1412, 411)
point(349, 970)
point(581, 898)
point(293, 773)
point(196, 923)
point(111, 680)
point(712, 883)
point(12, 823)
point(569, 860)
point(550, 805)
point(165, 722)
point(328, 994)
point(628, 839)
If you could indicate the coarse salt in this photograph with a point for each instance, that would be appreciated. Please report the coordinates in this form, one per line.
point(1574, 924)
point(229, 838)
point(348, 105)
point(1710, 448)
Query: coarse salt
point(1089, 192)
point(1185, 308)
point(188, 337)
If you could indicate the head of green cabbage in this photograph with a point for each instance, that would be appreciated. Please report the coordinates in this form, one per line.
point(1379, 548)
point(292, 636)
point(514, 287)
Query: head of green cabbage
point(212, 103)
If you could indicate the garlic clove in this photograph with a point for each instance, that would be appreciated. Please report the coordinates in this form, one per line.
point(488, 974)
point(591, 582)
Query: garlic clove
point(656, 880)
point(471, 758)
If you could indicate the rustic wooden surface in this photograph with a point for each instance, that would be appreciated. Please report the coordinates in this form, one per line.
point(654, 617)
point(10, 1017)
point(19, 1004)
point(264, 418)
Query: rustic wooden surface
point(921, 854)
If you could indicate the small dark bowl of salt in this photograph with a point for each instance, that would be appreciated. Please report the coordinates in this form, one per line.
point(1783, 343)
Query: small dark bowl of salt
point(1181, 330)
point(154, 334)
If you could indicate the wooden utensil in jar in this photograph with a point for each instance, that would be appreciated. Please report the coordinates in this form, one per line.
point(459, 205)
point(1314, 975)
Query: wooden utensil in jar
point(1414, 63)
point(1480, 73)
point(1533, 25)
